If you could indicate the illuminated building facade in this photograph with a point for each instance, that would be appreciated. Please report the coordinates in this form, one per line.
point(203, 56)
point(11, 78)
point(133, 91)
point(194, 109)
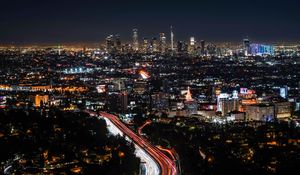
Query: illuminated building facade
point(188, 96)
point(162, 43)
point(140, 86)
point(77, 70)
point(146, 45)
point(260, 112)
point(222, 105)
point(192, 45)
point(118, 43)
point(135, 40)
point(41, 99)
point(282, 110)
point(235, 101)
point(110, 45)
point(284, 92)
point(261, 49)
point(191, 106)
point(172, 39)
point(246, 43)
point(228, 102)
point(154, 45)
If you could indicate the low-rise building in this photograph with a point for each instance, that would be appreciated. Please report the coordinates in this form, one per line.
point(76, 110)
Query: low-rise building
point(262, 112)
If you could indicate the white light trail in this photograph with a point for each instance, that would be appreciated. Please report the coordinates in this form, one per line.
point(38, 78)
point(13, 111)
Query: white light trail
point(151, 167)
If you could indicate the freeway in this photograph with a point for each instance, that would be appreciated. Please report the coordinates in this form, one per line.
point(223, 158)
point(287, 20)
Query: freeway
point(148, 164)
point(166, 165)
point(173, 154)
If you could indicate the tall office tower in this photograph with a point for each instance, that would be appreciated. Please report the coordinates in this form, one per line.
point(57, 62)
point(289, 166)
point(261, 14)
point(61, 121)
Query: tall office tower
point(235, 101)
point(222, 104)
point(59, 50)
point(192, 41)
point(172, 39)
point(202, 43)
point(162, 43)
point(211, 49)
point(154, 45)
point(246, 43)
point(145, 45)
point(110, 43)
point(135, 40)
point(182, 47)
point(118, 43)
point(192, 45)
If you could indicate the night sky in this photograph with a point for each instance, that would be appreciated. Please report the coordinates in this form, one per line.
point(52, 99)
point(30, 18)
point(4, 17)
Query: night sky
point(58, 21)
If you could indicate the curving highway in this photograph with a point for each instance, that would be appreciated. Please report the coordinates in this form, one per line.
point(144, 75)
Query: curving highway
point(156, 163)
point(149, 166)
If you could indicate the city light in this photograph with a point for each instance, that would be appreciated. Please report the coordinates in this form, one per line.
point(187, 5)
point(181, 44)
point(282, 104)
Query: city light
point(144, 74)
point(150, 88)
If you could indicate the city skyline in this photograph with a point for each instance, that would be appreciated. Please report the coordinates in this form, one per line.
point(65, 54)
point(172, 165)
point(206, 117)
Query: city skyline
point(138, 87)
point(60, 22)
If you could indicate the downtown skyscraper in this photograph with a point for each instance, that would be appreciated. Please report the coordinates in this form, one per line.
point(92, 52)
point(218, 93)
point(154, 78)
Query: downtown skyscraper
point(162, 43)
point(172, 39)
point(135, 40)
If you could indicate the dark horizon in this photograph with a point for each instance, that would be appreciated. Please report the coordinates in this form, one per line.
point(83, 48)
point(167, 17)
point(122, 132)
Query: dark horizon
point(91, 21)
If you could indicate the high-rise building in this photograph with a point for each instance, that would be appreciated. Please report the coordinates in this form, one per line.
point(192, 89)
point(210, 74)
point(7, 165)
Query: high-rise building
point(192, 41)
point(145, 45)
point(135, 40)
point(154, 45)
point(228, 102)
point(192, 45)
point(182, 47)
point(110, 43)
point(246, 43)
point(118, 43)
point(222, 106)
point(211, 49)
point(162, 43)
point(172, 39)
point(235, 101)
point(59, 50)
point(202, 43)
